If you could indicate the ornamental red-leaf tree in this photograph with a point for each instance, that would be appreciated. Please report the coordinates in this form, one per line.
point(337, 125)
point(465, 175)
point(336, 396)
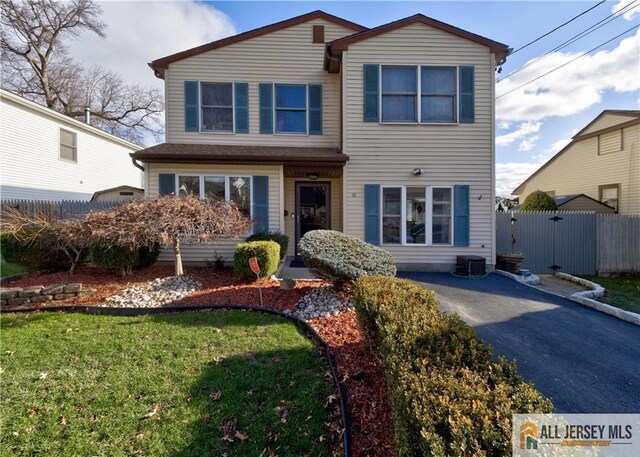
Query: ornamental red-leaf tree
point(166, 220)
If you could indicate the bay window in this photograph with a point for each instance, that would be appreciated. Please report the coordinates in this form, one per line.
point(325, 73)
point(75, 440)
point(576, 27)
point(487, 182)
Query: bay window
point(417, 215)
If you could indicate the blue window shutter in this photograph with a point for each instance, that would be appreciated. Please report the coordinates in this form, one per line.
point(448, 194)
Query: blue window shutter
point(370, 83)
point(315, 109)
point(242, 107)
point(461, 216)
point(191, 106)
point(372, 213)
point(166, 184)
point(467, 98)
point(261, 203)
point(266, 107)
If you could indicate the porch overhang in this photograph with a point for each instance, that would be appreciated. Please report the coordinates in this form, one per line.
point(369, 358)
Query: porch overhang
point(296, 161)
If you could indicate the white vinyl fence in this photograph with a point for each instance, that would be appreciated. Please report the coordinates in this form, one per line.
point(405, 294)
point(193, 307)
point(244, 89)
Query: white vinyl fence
point(569, 241)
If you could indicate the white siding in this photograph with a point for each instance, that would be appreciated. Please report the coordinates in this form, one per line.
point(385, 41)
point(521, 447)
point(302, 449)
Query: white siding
point(32, 169)
point(224, 246)
point(284, 56)
point(581, 170)
point(448, 154)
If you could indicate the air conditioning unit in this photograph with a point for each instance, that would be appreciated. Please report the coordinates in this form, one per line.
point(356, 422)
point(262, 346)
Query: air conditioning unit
point(471, 265)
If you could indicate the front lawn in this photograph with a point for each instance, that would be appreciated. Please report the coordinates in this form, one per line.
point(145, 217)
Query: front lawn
point(623, 293)
point(231, 382)
point(10, 269)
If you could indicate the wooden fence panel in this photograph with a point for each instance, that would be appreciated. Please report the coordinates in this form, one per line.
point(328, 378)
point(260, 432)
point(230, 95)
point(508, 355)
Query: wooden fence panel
point(64, 209)
point(618, 243)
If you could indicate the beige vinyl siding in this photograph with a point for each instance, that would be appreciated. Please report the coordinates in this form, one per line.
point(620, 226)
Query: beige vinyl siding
point(449, 154)
point(606, 121)
point(284, 56)
point(581, 170)
point(290, 206)
point(114, 195)
point(196, 254)
point(610, 142)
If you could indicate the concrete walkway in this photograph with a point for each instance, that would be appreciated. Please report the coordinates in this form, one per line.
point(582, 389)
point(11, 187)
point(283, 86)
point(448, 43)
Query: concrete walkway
point(584, 360)
point(288, 272)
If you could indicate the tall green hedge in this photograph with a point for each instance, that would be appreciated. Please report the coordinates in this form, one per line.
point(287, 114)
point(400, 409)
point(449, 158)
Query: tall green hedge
point(447, 396)
point(266, 252)
point(341, 258)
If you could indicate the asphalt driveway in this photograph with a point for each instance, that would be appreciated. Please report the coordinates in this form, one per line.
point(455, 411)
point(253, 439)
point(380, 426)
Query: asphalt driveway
point(584, 360)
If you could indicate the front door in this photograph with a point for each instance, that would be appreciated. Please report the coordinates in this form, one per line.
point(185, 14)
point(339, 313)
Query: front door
point(313, 210)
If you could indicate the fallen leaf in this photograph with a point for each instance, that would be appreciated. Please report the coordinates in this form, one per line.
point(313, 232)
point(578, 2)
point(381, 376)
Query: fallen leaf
point(151, 413)
point(218, 359)
point(330, 399)
point(63, 420)
point(215, 396)
point(241, 436)
point(216, 329)
point(33, 412)
point(42, 375)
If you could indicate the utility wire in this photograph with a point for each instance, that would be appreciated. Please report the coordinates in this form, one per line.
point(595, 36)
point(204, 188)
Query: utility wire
point(567, 63)
point(558, 27)
point(577, 37)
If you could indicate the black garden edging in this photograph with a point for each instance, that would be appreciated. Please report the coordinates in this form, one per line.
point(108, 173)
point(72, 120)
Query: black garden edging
point(98, 310)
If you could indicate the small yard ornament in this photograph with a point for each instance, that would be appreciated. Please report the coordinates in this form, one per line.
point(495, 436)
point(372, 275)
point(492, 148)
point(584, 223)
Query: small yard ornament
point(253, 264)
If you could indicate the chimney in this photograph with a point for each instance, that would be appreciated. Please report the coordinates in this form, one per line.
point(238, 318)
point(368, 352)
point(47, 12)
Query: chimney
point(87, 116)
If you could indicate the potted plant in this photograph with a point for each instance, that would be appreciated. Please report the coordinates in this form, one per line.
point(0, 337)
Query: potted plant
point(509, 261)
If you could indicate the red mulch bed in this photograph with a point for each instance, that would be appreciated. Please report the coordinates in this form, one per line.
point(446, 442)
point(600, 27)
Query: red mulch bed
point(360, 371)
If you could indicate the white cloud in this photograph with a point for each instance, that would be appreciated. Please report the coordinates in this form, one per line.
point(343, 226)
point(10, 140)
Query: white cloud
point(629, 13)
point(503, 125)
point(524, 129)
point(511, 175)
point(139, 32)
point(573, 88)
point(529, 143)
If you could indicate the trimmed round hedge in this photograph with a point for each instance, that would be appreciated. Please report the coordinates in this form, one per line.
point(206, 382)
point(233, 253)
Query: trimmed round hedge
point(266, 252)
point(342, 258)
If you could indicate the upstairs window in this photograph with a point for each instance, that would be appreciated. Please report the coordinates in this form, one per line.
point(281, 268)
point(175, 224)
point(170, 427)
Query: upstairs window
point(437, 88)
point(68, 146)
point(216, 107)
point(291, 108)
point(610, 195)
point(438, 94)
point(399, 94)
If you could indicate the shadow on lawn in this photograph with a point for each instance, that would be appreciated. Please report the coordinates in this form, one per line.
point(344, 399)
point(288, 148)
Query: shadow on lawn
point(250, 403)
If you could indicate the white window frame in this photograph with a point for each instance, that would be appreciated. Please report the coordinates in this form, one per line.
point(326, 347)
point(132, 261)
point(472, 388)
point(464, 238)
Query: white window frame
point(274, 118)
point(428, 216)
point(227, 185)
point(75, 147)
point(419, 93)
point(233, 108)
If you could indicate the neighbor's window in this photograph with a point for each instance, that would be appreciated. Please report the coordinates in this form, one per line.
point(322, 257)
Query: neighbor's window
point(417, 215)
point(240, 193)
point(438, 94)
point(68, 145)
point(291, 108)
point(217, 107)
point(610, 195)
point(391, 214)
point(399, 94)
point(441, 216)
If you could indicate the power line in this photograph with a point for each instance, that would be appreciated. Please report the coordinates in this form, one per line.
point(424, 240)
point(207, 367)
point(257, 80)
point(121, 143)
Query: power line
point(576, 37)
point(567, 63)
point(558, 27)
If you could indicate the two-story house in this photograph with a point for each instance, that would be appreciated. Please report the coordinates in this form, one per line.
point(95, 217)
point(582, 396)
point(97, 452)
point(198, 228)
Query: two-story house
point(386, 134)
point(46, 155)
point(602, 161)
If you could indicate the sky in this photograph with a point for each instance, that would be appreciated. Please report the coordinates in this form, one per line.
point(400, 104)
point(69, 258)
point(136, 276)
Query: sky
point(533, 122)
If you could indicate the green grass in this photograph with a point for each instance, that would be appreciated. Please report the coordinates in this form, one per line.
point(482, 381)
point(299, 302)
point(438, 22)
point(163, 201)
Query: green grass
point(75, 384)
point(8, 269)
point(623, 293)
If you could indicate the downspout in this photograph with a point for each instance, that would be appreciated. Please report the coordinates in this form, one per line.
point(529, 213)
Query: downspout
point(136, 164)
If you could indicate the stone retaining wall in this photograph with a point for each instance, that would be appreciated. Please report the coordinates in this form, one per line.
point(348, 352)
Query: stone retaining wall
point(17, 296)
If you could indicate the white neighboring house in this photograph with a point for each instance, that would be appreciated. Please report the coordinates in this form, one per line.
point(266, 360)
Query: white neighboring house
point(46, 155)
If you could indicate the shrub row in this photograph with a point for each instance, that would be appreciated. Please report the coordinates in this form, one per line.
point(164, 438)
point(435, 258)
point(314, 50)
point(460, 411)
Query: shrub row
point(266, 252)
point(122, 258)
point(342, 258)
point(447, 396)
point(34, 256)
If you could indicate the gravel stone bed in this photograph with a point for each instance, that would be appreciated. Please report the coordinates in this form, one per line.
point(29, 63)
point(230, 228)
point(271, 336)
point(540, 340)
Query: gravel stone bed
point(320, 302)
point(156, 293)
